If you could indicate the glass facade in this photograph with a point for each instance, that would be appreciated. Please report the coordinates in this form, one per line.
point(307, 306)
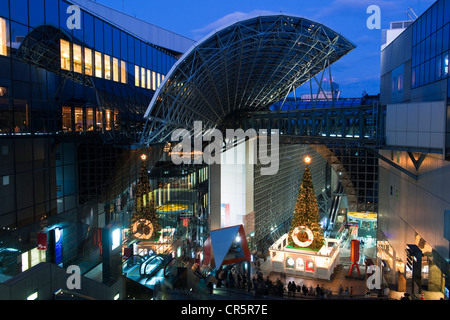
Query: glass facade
point(181, 198)
point(69, 113)
point(97, 49)
point(430, 49)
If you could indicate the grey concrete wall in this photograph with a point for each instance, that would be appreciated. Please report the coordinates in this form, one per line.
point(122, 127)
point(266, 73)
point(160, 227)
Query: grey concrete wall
point(414, 205)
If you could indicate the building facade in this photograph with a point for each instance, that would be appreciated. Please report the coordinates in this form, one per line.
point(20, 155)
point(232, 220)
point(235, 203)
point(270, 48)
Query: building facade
point(414, 201)
point(75, 81)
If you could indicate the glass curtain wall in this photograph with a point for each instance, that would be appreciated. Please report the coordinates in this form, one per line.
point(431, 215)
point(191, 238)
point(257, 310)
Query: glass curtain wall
point(96, 50)
point(431, 38)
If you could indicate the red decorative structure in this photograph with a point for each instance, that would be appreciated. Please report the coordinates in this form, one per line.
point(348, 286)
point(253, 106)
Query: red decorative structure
point(354, 257)
point(42, 241)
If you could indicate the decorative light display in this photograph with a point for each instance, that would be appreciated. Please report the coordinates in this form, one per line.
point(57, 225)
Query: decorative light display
point(143, 229)
point(302, 236)
point(305, 228)
point(145, 207)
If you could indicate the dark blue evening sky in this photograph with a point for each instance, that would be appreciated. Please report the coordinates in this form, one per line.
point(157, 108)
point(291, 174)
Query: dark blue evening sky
point(357, 71)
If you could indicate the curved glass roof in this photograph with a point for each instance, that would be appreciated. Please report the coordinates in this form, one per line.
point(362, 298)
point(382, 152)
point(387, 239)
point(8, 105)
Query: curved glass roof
point(248, 65)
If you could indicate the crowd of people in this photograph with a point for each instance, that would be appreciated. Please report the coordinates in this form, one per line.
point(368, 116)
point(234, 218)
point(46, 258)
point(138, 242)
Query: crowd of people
point(260, 286)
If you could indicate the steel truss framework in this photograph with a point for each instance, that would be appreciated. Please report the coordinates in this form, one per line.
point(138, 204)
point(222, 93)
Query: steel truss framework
point(248, 65)
point(360, 126)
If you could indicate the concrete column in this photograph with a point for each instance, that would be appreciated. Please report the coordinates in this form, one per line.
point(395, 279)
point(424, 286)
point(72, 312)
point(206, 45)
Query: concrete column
point(214, 196)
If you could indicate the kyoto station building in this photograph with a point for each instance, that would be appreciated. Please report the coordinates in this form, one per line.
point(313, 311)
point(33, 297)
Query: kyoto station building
point(137, 163)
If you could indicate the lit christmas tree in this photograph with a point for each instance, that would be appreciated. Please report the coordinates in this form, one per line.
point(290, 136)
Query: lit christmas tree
point(145, 207)
point(305, 228)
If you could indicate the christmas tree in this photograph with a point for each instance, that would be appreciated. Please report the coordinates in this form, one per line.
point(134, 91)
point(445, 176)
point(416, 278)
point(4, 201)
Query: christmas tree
point(306, 214)
point(145, 206)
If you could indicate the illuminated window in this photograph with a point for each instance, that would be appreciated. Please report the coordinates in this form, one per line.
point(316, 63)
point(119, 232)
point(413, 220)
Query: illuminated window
point(66, 60)
point(98, 65)
point(107, 66)
point(162, 78)
point(153, 80)
point(25, 264)
point(123, 72)
point(67, 119)
point(290, 262)
point(3, 38)
point(115, 238)
point(77, 64)
point(158, 79)
point(87, 61)
point(116, 69)
point(32, 257)
point(142, 77)
point(36, 256)
point(116, 120)
point(79, 119)
point(90, 119)
point(148, 79)
point(300, 265)
point(108, 119)
point(136, 76)
point(99, 119)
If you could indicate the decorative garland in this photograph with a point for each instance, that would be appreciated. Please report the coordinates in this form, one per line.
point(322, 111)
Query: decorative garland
point(302, 236)
point(142, 229)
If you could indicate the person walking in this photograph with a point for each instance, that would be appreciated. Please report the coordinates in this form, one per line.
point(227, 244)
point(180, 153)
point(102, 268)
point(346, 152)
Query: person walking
point(304, 290)
point(311, 290)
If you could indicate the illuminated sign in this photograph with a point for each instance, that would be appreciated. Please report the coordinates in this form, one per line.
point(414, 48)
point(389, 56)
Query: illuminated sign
point(58, 245)
point(115, 238)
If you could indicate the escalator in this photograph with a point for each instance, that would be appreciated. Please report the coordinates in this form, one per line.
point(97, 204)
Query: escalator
point(151, 266)
point(334, 208)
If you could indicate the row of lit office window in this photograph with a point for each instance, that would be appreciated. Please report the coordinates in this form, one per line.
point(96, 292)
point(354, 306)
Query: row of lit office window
point(3, 38)
point(81, 119)
point(86, 61)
